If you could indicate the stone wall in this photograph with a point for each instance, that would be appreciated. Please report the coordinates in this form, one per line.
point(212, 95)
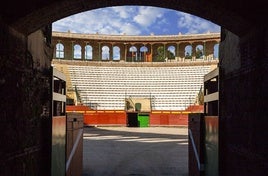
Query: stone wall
point(243, 104)
point(25, 105)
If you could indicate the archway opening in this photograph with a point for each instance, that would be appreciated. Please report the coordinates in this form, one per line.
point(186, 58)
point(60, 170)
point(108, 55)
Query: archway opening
point(136, 53)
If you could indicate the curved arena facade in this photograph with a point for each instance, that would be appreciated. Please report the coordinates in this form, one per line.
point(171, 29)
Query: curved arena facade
point(103, 78)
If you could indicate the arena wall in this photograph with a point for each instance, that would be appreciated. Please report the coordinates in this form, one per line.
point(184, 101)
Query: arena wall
point(119, 117)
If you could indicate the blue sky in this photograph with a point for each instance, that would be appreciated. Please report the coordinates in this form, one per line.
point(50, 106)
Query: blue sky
point(135, 20)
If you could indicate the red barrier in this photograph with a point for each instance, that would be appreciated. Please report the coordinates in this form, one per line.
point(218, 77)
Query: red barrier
point(110, 118)
point(181, 119)
point(159, 118)
point(119, 117)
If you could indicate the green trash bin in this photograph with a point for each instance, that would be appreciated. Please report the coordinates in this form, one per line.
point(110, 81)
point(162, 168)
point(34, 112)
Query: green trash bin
point(143, 120)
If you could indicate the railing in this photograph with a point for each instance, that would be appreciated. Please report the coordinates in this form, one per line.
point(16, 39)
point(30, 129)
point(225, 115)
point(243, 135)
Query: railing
point(74, 149)
point(182, 62)
point(74, 144)
point(199, 165)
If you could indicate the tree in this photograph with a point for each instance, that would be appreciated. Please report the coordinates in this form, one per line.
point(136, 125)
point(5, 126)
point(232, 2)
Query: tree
point(199, 53)
point(188, 56)
point(170, 55)
point(162, 54)
point(200, 97)
point(128, 105)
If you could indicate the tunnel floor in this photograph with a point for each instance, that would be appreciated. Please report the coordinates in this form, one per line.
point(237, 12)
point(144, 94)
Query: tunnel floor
point(118, 151)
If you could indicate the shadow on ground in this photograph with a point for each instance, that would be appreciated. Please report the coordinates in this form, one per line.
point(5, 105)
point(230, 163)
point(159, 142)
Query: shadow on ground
point(116, 151)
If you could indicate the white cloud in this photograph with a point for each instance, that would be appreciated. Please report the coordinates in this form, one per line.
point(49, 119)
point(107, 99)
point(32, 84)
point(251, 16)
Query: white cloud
point(103, 21)
point(193, 24)
point(130, 29)
point(148, 15)
point(123, 11)
point(134, 20)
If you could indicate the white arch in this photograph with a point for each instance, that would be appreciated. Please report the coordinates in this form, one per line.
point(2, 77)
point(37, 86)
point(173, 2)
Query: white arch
point(88, 52)
point(59, 50)
point(199, 48)
point(116, 53)
point(188, 51)
point(77, 52)
point(216, 51)
point(105, 53)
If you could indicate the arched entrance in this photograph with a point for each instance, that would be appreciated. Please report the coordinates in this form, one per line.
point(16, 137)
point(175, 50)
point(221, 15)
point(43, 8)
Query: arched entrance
point(25, 79)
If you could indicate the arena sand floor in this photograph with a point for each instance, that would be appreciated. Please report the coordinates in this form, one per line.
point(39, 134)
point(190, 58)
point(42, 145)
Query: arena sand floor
point(148, 151)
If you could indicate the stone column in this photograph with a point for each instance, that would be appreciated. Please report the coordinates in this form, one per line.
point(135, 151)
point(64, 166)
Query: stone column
point(164, 52)
point(111, 52)
point(181, 51)
point(193, 51)
point(151, 55)
point(95, 51)
point(210, 50)
point(55, 50)
point(177, 52)
point(204, 50)
point(124, 51)
point(82, 51)
point(68, 50)
point(144, 53)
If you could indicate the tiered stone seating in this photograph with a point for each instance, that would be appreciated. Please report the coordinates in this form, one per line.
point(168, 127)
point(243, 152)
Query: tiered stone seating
point(171, 88)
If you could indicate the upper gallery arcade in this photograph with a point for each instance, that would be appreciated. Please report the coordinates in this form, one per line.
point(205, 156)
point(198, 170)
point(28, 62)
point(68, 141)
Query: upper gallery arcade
point(130, 48)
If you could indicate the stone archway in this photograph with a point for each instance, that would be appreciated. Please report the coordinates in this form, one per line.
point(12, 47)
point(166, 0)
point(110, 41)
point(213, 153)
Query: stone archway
point(25, 83)
point(222, 13)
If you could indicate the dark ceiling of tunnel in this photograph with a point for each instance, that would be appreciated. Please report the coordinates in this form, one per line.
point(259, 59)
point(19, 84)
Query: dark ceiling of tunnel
point(29, 15)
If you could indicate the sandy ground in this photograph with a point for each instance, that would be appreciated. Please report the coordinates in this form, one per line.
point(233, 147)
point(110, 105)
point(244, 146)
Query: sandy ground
point(150, 151)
